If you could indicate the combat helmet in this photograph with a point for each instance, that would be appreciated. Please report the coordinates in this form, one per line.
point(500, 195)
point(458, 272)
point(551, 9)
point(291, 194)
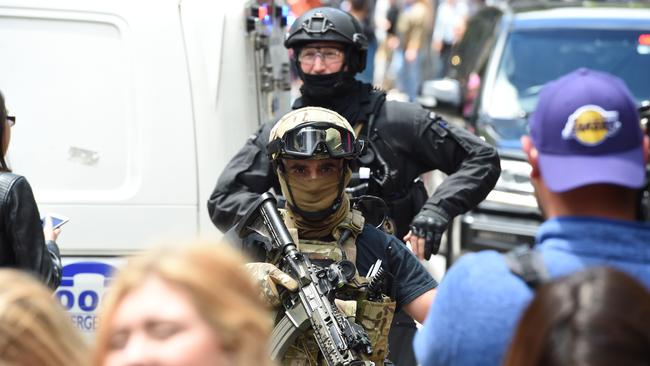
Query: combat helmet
point(334, 25)
point(313, 133)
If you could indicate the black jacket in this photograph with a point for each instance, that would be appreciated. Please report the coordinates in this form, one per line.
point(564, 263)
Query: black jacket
point(409, 139)
point(22, 244)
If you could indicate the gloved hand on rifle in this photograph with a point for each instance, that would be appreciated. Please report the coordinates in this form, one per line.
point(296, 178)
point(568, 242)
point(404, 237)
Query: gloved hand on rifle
point(269, 276)
point(426, 232)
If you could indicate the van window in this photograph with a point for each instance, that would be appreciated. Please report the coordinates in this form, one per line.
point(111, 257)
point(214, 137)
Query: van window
point(67, 81)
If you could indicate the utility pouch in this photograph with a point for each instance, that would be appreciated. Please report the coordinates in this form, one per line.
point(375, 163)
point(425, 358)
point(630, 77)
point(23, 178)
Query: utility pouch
point(376, 317)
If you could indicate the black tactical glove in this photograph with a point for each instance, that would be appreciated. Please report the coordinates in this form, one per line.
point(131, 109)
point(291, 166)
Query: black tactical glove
point(430, 224)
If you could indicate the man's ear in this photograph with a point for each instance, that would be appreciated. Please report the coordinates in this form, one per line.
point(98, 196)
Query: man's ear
point(646, 147)
point(531, 155)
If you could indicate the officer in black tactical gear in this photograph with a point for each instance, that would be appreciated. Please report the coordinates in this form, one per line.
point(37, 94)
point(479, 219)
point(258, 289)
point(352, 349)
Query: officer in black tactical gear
point(403, 141)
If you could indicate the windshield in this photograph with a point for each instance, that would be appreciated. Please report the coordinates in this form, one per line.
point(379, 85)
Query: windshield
point(533, 57)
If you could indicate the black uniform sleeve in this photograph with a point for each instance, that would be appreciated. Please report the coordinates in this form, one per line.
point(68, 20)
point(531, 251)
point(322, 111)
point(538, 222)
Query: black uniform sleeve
point(430, 143)
point(25, 232)
point(247, 175)
point(472, 166)
point(407, 279)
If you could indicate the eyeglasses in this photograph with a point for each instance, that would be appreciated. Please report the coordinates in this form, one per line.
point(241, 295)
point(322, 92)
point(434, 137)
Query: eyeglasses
point(328, 55)
point(313, 138)
point(11, 120)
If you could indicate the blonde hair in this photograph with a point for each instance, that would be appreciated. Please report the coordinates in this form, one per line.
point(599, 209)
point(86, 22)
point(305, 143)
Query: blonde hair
point(34, 327)
point(215, 279)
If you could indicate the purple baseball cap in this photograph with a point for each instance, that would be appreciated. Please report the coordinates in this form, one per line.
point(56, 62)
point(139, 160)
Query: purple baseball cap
point(586, 128)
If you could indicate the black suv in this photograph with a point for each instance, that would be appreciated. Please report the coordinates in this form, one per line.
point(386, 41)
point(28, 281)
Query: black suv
point(497, 71)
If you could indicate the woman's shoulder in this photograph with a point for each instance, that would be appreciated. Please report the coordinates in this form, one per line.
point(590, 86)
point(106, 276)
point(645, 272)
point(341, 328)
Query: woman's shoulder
point(9, 180)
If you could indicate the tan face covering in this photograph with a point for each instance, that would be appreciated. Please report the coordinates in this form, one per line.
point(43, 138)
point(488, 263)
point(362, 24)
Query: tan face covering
point(313, 195)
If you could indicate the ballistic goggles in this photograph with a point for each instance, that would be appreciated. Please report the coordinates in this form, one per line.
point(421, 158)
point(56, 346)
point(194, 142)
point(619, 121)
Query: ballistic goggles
point(315, 138)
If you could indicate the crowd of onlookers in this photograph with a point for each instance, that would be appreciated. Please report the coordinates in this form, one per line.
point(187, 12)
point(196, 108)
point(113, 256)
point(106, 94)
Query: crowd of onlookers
point(189, 305)
point(196, 305)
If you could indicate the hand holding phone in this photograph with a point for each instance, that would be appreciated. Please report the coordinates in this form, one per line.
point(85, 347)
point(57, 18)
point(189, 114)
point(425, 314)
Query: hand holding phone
point(57, 220)
point(51, 225)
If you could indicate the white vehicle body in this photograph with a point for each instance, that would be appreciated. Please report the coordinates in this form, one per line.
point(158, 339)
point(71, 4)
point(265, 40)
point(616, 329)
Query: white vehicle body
point(127, 111)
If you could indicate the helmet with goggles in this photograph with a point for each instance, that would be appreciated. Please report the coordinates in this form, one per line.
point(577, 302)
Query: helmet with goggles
point(313, 133)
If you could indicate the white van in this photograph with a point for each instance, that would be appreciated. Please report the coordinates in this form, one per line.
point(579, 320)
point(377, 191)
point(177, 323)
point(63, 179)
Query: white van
point(127, 111)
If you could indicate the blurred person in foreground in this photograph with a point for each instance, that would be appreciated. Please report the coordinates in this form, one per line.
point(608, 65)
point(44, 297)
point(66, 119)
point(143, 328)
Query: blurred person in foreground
point(34, 327)
point(596, 317)
point(192, 305)
point(24, 242)
point(588, 156)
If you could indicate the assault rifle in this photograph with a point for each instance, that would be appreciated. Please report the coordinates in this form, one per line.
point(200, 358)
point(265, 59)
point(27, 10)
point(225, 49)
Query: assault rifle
point(341, 341)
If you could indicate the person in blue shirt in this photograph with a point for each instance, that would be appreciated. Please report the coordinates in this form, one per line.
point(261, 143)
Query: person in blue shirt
point(588, 156)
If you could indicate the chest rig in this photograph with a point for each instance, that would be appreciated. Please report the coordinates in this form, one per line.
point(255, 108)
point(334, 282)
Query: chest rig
point(374, 315)
point(386, 173)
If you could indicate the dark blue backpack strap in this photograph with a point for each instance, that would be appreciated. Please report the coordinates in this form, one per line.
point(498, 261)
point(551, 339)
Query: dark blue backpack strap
point(528, 265)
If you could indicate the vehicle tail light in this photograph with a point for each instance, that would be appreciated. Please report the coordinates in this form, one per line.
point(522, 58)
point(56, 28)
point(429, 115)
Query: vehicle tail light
point(644, 39)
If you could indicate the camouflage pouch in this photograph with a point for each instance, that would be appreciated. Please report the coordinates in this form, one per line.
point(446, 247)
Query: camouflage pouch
point(320, 251)
point(375, 317)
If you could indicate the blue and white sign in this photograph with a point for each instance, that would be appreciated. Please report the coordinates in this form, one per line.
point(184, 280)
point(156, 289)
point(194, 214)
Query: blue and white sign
point(83, 286)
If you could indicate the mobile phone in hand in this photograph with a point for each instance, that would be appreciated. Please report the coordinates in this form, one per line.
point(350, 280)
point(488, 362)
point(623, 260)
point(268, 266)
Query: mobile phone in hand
point(57, 220)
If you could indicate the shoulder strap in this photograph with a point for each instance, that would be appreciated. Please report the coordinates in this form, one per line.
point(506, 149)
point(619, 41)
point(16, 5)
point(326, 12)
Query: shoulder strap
point(528, 265)
point(347, 231)
point(376, 101)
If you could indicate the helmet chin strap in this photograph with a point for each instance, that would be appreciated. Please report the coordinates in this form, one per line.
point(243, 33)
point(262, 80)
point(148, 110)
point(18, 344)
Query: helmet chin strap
point(321, 214)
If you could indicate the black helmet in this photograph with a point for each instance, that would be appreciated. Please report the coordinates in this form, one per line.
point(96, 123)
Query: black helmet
point(334, 25)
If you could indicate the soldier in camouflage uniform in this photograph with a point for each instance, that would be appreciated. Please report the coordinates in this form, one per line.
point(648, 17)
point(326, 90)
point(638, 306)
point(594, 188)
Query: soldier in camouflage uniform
point(311, 149)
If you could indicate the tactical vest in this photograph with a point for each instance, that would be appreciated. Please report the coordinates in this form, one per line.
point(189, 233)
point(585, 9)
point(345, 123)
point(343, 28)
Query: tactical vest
point(374, 316)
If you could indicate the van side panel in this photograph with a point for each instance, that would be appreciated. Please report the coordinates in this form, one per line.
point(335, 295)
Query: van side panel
point(225, 75)
point(105, 127)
